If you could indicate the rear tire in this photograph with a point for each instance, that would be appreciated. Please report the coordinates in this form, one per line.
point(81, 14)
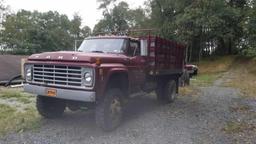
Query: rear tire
point(170, 91)
point(160, 91)
point(109, 111)
point(195, 72)
point(50, 107)
point(187, 79)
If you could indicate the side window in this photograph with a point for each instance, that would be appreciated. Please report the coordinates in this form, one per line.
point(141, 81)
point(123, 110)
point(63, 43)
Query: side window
point(124, 48)
point(134, 49)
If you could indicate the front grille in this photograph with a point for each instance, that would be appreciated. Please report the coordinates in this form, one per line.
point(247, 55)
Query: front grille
point(57, 75)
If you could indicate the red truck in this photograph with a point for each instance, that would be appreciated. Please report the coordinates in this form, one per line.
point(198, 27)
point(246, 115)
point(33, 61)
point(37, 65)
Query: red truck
point(104, 72)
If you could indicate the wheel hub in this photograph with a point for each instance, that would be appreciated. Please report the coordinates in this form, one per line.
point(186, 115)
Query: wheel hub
point(115, 110)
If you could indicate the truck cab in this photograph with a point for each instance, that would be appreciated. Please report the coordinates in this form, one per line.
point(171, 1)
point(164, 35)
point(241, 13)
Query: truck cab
point(104, 72)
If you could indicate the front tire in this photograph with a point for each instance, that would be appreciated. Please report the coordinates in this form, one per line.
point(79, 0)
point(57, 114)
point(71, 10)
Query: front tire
point(109, 111)
point(50, 107)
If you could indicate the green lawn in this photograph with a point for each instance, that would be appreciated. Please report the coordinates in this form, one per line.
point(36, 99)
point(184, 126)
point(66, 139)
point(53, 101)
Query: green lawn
point(17, 111)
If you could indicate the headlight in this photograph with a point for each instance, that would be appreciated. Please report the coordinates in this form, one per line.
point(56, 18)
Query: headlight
point(87, 77)
point(28, 72)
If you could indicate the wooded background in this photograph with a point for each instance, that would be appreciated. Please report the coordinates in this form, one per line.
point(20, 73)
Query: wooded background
point(207, 27)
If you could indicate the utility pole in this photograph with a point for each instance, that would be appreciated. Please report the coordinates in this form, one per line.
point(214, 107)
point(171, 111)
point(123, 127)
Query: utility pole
point(76, 44)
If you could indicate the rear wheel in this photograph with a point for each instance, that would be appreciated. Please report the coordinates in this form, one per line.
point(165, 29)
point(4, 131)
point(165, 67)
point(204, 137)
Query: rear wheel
point(50, 107)
point(195, 72)
point(187, 78)
point(170, 91)
point(160, 91)
point(109, 111)
point(166, 91)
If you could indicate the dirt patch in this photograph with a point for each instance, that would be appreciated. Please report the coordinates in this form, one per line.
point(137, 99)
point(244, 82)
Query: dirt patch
point(188, 91)
point(239, 127)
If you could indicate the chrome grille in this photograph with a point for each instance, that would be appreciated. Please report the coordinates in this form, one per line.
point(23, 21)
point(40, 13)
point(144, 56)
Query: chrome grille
point(57, 75)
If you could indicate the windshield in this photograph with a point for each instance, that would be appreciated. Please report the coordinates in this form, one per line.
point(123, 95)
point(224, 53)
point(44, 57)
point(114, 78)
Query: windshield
point(103, 45)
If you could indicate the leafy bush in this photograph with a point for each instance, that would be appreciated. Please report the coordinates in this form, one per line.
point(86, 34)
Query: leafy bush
point(249, 52)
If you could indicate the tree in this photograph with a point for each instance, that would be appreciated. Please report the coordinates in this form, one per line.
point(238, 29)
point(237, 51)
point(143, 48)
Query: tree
point(31, 32)
point(3, 11)
point(207, 27)
point(119, 18)
point(86, 31)
point(115, 19)
point(249, 42)
point(75, 26)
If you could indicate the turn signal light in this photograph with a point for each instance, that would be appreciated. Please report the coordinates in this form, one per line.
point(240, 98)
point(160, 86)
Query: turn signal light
point(98, 61)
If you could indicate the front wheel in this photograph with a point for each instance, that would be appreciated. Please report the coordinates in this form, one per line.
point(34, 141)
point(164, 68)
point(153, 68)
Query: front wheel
point(50, 107)
point(109, 111)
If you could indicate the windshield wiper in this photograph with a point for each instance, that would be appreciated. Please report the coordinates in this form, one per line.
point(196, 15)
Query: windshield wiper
point(97, 51)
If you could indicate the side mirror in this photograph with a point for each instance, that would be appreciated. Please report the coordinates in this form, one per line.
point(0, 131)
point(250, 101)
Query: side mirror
point(144, 47)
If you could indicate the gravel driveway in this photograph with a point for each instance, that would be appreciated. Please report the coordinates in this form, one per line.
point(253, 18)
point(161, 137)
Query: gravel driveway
point(196, 119)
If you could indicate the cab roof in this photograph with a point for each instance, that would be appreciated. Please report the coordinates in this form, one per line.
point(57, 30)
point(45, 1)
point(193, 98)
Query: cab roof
point(112, 37)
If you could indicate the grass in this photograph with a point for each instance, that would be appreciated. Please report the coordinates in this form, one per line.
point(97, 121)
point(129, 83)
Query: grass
point(243, 76)
point(17, 111)
point(205, 79)
point(241, 73)
point(16, 94)
point(216, 64)
point(12, 120)
point(238, 127)
point(188, 91)
point(210, 69)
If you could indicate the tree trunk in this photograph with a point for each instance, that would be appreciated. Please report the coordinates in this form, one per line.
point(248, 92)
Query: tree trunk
point(230, 46)
point(221, 48)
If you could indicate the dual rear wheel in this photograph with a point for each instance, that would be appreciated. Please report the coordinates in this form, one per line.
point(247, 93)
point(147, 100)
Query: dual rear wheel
point(166, 91)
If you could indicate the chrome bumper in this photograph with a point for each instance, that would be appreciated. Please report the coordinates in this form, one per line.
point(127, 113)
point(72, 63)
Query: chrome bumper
point(76, 95)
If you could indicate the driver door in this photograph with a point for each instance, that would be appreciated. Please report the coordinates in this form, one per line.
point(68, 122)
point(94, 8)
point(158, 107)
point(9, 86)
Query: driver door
point(136, 66)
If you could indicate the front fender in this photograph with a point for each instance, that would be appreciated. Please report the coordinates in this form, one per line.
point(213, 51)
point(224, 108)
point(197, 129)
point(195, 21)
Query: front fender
point(109, 70)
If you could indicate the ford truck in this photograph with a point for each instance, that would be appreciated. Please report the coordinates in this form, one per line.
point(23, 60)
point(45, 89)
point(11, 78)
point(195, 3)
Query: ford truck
point(105, 71)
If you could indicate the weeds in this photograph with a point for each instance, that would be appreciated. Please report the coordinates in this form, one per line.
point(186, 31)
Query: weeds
point(210, 69)
point(214, 65)
point(243, 76)
point(238, 127)
point(13, 120)
point(15, 94)
point(19, 116)
point(188, 91)
point(205, 79)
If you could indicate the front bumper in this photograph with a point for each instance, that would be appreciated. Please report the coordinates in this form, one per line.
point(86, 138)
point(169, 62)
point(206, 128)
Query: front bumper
point(76, 95)
point(191, 71)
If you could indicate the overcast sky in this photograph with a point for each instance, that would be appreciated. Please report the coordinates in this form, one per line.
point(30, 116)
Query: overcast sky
point(87, 9)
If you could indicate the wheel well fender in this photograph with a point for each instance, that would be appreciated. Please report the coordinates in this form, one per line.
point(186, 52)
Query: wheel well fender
point(118, 79)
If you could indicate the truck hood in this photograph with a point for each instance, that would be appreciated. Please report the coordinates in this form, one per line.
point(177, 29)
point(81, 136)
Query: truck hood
point(70, 56)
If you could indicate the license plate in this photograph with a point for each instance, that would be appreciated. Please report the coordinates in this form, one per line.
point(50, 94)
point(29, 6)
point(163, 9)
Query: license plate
point(51, 92)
